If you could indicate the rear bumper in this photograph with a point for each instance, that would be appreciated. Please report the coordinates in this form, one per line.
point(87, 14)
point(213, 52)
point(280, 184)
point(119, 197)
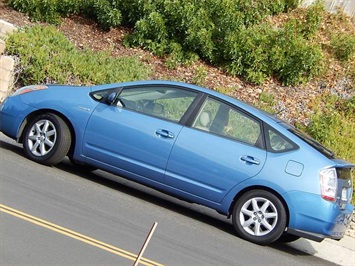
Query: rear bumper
point(304, 234)
point(316, 218)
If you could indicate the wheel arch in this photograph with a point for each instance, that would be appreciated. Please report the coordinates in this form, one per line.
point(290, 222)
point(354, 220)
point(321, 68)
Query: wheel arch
point(32, 115)
point(274, 192)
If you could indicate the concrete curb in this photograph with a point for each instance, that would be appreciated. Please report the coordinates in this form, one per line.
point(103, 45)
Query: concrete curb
point(7, 63)
point(339, 252)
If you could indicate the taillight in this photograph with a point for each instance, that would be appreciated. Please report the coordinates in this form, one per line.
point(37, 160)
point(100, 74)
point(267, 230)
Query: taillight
point(329, 184)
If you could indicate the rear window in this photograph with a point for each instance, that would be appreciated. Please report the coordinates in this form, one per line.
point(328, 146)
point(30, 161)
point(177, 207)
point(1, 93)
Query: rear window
point(344, 173)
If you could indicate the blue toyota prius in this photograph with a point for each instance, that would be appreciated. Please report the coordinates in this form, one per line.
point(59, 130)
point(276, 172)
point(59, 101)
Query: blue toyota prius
point(273, 181)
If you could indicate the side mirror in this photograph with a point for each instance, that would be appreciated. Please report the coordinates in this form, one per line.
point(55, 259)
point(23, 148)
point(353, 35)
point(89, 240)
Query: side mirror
point(111, 98)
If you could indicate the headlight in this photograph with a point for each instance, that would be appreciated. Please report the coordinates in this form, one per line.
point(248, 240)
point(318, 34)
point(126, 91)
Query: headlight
point(2, 104)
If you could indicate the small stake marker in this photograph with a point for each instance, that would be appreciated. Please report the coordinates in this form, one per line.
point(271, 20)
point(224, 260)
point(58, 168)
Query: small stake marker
point(145, 244)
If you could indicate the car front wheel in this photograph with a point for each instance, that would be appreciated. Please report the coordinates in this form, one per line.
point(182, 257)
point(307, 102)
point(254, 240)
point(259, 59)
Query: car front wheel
point(47, 139)
point(259, 217)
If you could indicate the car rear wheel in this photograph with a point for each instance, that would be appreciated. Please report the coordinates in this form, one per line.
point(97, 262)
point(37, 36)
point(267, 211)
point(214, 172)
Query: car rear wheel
point(47, 139)
point(259, 217)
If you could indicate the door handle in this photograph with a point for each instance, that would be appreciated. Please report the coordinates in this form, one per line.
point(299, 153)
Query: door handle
point(250, 159)
point(164, 133)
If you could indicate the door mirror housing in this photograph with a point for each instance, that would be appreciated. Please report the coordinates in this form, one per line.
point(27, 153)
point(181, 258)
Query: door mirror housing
point(112, 98)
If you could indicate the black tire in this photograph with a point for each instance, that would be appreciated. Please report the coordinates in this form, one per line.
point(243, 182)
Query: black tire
point(47, 139)
point(259, 217)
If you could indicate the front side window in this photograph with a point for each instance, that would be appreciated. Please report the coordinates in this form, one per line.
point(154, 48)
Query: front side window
point(167, 103)
point(222, 119)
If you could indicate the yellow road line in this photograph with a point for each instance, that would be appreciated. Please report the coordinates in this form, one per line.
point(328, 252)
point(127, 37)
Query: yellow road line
point(75, 235)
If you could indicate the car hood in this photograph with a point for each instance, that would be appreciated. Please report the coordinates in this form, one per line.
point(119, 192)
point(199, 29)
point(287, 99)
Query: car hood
point(56, 94)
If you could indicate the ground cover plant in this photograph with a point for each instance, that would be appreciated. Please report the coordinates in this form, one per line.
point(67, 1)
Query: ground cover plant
point(47, 56)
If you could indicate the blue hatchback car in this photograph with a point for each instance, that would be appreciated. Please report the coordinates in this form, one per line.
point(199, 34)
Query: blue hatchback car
point(276, 183)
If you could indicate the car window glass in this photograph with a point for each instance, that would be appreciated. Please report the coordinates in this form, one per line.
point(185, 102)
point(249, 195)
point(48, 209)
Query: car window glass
point(278, 142)
point(99, 95)
point(221, 119)
point(168, 103)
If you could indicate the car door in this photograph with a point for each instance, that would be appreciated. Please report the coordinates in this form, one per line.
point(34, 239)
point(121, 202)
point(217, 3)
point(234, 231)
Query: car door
point(223, 147)
point(136, 135)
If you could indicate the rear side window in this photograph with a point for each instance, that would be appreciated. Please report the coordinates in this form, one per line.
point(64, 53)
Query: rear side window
point(224, 120)
point(276, 142)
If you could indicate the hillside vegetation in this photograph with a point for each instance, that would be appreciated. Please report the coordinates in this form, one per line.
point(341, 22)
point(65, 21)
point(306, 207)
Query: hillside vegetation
point(258, 41)
point(233, 34)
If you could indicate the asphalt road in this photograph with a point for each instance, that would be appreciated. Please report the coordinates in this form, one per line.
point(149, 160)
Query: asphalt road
point(61, 216)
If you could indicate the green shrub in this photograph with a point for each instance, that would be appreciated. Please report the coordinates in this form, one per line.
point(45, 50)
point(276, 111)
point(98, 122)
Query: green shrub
point(314, 16)
point(68, 7)
point(178, 56)
point(291, 4)
point(200, 76)
point(47, 56)
point(222, 32)
point(293, 58)
point(105, 12)
point(335, 126)
point(256, 11)
point(302, 65)
point(259, 52)
point(266, 102)
point(343, 45)
point(248, 53)
point(38, 10)
point(152, 34)
point(225, 32)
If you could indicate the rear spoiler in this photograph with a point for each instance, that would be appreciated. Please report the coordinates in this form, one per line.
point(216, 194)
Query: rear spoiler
point(339, 163)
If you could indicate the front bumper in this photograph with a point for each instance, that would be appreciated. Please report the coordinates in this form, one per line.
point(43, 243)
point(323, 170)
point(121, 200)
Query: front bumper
point(12, 113)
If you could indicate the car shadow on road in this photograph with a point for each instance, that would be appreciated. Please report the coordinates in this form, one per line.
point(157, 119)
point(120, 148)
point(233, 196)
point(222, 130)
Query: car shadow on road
point(200, 213)
point(150, 195)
